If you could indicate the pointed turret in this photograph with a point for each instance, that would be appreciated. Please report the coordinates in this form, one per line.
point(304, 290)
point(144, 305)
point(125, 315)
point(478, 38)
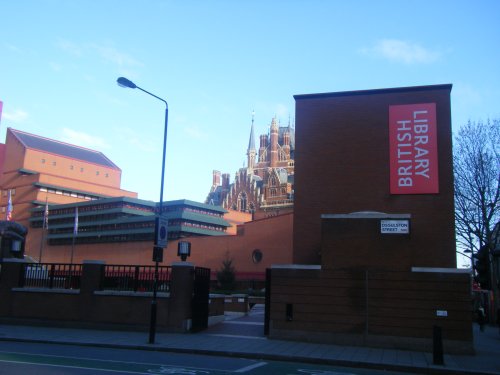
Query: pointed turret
point(251, 152)
point(274, 143)
point(251, 142)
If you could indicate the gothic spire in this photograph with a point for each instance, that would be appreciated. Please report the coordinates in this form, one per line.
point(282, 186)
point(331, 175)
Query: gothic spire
point(251, 153)
point(251, 142)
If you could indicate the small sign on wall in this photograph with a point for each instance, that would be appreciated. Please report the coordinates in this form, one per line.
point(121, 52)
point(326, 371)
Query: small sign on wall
point(394, 226)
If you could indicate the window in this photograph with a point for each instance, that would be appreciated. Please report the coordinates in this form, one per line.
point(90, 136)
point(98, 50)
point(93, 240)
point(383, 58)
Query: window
point(97, 173)
point(81, 169)
point(43, 161)
point(54, 163)
point(242, 202)
point(257, 256)
point(71, 167)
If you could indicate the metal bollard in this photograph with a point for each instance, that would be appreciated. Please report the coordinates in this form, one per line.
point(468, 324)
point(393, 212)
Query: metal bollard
point(437, 346)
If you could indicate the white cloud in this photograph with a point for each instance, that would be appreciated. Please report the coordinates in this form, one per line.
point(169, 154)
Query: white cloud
point(136, 140)
point(194, 132)
point(282, 112)
point(12, 47)
point(116, 57)
point(70, 47)
point(83, 140)
point(401, 51)
point(55, 66)
point(17, 116)
point(111, 54)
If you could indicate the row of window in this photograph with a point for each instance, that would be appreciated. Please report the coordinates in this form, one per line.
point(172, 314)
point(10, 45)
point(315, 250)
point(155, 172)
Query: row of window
point(125, 237)
point(104, 227)
point(191, 209)
point(72, 167)
point(197, 225)
point(68, 193)
point(275, 192)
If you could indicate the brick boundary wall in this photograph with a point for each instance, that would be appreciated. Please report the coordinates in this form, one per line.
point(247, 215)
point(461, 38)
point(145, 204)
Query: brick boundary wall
point(372, 308)
point(90, 307)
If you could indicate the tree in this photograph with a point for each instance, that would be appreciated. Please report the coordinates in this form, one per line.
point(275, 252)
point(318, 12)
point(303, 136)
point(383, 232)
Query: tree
point(476, 162)
point(226, 275)
point(483, 269)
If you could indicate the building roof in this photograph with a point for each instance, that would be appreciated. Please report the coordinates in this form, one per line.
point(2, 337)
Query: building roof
point(374, 91)
point(35, 142)
point(203, 206)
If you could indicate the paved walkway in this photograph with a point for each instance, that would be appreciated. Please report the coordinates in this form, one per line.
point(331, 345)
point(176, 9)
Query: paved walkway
point(242, 337)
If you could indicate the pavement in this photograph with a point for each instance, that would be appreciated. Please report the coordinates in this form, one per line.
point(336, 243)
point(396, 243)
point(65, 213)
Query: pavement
point(242, 336)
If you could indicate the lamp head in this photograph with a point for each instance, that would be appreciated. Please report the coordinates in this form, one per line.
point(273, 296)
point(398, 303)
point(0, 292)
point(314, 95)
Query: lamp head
point(183, 250)
point(124, 82)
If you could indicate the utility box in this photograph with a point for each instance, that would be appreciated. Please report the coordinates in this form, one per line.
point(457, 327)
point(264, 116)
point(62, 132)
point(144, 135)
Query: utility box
point(12, 239)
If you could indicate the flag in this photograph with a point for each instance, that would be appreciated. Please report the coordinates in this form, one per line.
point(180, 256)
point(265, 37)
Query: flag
point(75, 229)
point(10, 208)
point(46, 216)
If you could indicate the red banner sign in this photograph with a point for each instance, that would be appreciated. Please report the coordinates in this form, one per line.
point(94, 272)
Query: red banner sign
point(413, 149)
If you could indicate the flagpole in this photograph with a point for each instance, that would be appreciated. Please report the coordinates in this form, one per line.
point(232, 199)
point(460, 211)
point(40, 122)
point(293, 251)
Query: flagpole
point(10, 207)
point(44, 223)
point(72, 248)
point(41, 245)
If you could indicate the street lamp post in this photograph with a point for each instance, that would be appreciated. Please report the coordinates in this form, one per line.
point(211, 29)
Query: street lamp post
point(157, 248)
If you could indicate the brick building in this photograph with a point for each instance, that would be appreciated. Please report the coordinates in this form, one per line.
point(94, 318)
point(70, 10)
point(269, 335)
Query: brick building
point(374, 236)
point(37, 170)
point(344, 138)
point(113, 224)
point(265, 186)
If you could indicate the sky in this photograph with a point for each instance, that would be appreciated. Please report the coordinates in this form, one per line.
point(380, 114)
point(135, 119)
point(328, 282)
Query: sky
point(215, 62)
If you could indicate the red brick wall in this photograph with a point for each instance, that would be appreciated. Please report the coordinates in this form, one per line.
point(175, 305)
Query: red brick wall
point(372, 308)
point(272, 236)
point(342, 166)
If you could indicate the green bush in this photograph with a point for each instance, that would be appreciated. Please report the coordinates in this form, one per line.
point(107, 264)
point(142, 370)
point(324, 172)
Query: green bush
point(226, 275)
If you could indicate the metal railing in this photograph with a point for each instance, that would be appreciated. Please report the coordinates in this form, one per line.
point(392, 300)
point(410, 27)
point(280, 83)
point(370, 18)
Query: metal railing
point(135, 278)
point(51, 275)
